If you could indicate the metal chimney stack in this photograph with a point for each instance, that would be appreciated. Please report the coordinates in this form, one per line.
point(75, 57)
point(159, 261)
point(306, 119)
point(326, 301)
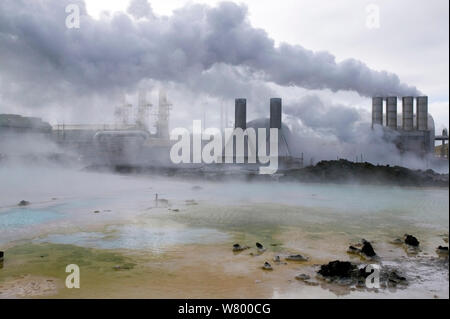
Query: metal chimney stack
point(422, 113)
point(391, 112)
point(377, 111)
point(408, 113)
point(275, 113)
point(240, 113)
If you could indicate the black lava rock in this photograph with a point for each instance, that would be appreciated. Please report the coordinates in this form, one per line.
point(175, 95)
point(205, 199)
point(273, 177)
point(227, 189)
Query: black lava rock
point(237, 247)
point(267, 266)
point(337, 268)
point(363, 273)
point(367, 249)
point(395, 278)
point(23, 203)
point(2, 254)
point(411, 240)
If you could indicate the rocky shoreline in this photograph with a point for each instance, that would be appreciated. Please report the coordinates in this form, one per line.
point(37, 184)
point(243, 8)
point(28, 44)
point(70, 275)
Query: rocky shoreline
point(337, 171)
point(369, 273)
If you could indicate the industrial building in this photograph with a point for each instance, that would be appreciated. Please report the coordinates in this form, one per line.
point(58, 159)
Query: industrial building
point(17, 124)
point(411, 132)
point(128, 141)
point(286, 155)
point(131, 141)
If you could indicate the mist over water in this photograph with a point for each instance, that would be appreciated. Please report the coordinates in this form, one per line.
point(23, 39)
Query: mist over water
point(65, 202)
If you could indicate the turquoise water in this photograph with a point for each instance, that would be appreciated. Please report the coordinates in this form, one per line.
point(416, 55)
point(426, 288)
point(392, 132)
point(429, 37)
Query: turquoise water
point(141, 237)
point(23, 217)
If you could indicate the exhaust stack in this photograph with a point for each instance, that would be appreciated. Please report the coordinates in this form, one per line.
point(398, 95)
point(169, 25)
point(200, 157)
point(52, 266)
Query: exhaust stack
point(422, 113)
point(391, 112)
point(377, 111)
point(408, 113)
point(275, 113)
point(240, 113)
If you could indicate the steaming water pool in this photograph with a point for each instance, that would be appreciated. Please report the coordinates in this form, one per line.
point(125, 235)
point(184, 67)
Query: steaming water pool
point(139, 237)
point(22, 217)
point(198, 222)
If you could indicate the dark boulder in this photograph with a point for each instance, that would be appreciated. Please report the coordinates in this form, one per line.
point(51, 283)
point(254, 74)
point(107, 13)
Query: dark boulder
point(297, 257)
point(237, 247)
point(337, 268)
point(440, 250)
point(367, 249)
point(363, 273)
point(267, 266)
point(411, 240)
point(23, 203)
point(395, 278)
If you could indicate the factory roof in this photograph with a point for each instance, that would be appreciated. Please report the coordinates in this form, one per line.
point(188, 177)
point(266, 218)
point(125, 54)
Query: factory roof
point(22, 122)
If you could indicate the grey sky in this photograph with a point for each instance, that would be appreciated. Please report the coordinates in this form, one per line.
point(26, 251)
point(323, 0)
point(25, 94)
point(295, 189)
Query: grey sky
point(412, 43)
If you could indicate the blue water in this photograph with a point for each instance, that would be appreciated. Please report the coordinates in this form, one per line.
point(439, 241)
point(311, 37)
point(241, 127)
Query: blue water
point(22, 217)
point(138, 237)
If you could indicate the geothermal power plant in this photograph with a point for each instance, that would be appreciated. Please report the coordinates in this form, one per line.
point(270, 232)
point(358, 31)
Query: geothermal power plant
point(131, 141)
point(414, 131)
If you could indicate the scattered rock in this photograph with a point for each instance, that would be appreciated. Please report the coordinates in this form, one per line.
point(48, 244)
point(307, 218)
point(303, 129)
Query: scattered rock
point(2, 255)
point(303, 277)
point(24, 203)
point(297, 257)
point(277, 259)
point(346, 274)
point(237, 247)
point(337, 268)
point(395, 278)
point(267, 266)
point(96, 211)
point(260, 247)
point(445, 239)
point(367, 249)
point(441, 250)
point(411, 240)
